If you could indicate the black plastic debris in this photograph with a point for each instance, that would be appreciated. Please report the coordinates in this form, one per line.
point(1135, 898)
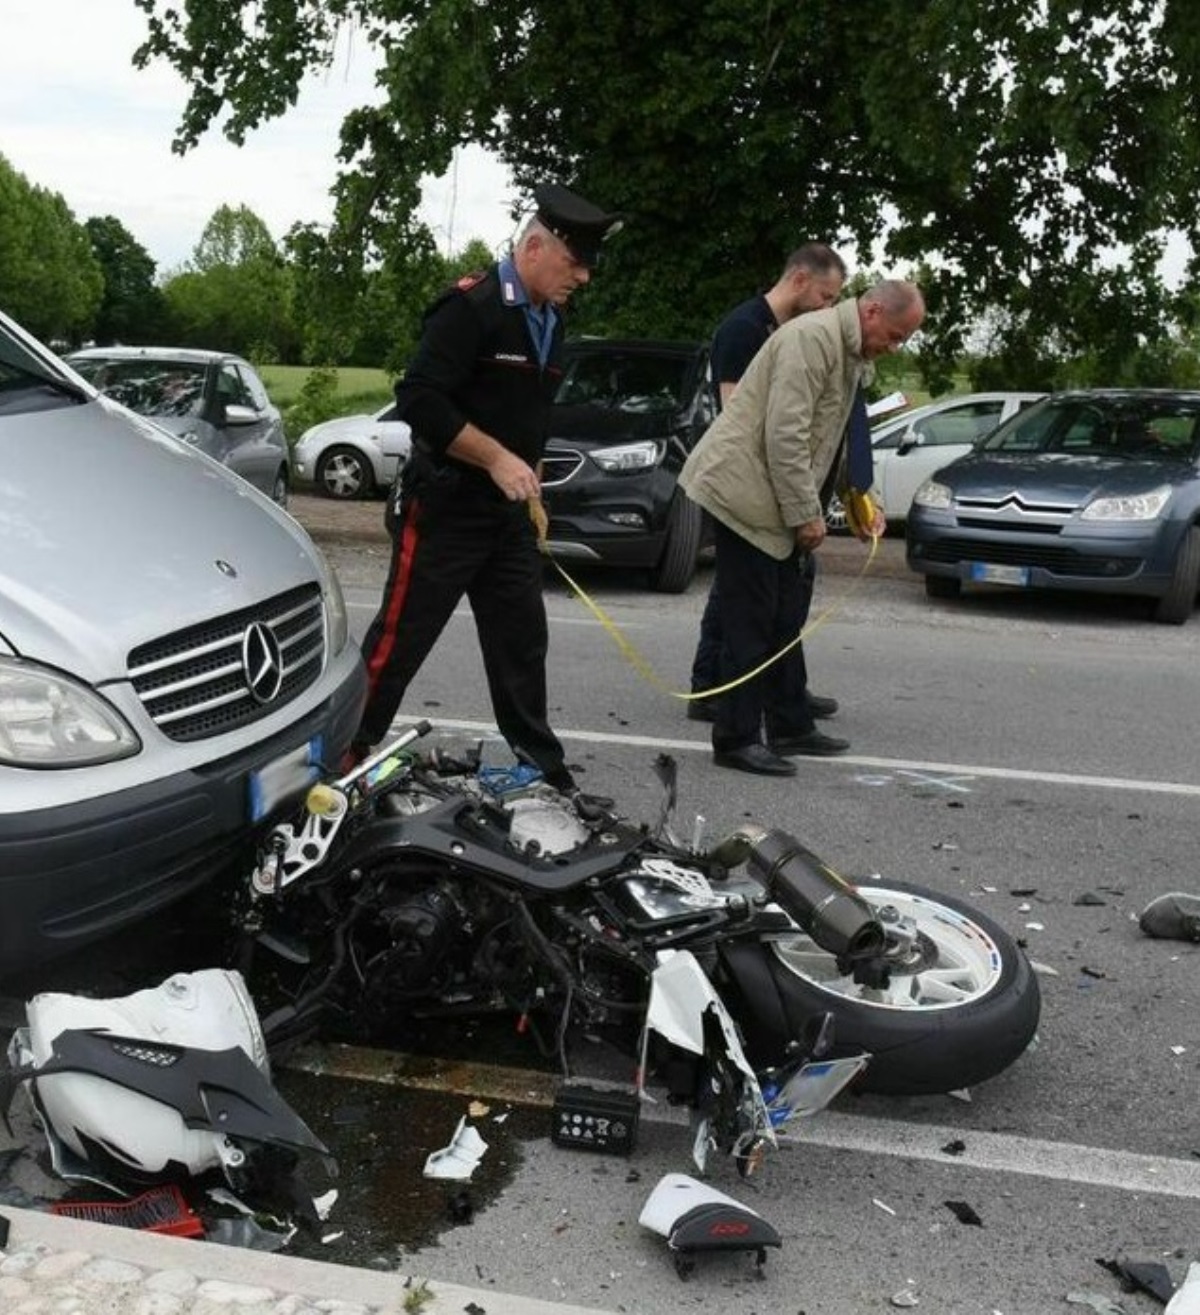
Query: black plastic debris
point(1023, 892)
point(3, 1232)
point(1089, 899)
point(461, 1208)
point(1092, 972)
point(1174, 916)
point(1149, 1276)
point(955, 1147)
point(964, 1213)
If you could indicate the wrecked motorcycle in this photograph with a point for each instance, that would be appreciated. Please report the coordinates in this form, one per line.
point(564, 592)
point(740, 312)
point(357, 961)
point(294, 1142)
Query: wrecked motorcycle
point(756, 981)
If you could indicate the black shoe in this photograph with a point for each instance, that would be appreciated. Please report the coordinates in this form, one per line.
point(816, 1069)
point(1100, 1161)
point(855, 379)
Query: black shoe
point(814, 744)
point(820, 706)
point(701, 710)
point(754, 758)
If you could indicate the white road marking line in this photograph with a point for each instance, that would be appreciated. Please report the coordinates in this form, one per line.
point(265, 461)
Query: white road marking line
point(1095, 1166)
point(955, 770)
point(991, 1152)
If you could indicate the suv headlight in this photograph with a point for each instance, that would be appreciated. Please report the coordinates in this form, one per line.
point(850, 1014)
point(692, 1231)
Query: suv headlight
point(628, 456)
point(1129, 507)
point(48, 719)
point(932, 494)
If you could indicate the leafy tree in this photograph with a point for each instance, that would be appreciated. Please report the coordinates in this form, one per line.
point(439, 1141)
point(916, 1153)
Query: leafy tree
point(236, 292)
point(49, 278)
point(131, 309)
point(1023, 151)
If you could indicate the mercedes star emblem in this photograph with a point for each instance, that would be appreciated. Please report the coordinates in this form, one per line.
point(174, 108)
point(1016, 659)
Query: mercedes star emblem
point(262, 662)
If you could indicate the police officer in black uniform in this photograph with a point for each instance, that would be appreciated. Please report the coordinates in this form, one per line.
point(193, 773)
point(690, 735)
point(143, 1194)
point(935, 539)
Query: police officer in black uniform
point(477, 396)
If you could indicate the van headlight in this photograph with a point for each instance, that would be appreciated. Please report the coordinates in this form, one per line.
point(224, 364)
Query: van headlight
point(336, 620)
point(627, 457)
point(47, 719)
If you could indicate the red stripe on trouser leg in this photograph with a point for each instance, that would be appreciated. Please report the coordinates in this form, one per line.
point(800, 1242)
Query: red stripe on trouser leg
point(401, 580)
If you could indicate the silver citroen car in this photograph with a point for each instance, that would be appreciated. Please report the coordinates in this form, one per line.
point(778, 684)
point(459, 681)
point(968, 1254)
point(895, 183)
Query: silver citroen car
point(175, 660)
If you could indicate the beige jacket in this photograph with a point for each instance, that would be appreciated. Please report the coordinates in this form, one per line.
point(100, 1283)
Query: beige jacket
point(760, 465)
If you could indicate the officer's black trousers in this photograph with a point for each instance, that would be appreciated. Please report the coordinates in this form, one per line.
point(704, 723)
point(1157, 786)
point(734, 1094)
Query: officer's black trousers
point(447, 545)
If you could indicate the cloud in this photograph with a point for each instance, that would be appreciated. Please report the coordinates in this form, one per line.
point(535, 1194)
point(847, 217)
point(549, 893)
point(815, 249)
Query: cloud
point(77, 118)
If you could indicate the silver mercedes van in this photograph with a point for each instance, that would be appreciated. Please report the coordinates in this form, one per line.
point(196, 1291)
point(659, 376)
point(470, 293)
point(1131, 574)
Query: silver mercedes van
point(175, 661)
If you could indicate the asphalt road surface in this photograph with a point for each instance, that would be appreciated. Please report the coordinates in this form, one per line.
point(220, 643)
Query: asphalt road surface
point(1032, 754)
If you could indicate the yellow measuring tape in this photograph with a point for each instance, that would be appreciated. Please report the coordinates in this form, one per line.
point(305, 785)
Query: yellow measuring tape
point(860, 511)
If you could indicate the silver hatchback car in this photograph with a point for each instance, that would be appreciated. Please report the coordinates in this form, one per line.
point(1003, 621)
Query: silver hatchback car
point(213, 400)
point(175, 659)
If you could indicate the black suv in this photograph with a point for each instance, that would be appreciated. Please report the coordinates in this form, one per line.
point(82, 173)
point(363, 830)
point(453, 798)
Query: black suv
point(627, 414)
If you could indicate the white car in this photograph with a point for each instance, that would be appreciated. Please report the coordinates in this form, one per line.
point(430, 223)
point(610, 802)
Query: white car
point(353, 456)
point(909, 448)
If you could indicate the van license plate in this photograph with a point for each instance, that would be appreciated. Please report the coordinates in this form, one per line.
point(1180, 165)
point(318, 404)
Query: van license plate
point(987, 573)
point(286, 776)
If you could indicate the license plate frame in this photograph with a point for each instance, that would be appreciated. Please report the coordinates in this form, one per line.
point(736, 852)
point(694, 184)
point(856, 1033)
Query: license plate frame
point(995, 573)
point(284, 777)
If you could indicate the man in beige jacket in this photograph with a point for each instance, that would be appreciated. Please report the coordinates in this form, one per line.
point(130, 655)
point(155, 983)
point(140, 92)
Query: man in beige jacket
point(761, 471)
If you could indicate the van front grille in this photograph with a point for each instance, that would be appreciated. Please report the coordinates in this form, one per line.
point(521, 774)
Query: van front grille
point(221, 674)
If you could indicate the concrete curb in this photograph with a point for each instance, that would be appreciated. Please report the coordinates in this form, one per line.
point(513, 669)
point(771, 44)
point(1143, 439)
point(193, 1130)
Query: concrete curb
point(58, 1249)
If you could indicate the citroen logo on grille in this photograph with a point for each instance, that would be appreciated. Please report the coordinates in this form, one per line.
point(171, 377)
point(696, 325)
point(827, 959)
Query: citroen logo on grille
point(262, 662)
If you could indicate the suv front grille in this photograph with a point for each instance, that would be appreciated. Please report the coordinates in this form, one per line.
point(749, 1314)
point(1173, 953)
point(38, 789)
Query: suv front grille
point(559, 464)
point(194, 683)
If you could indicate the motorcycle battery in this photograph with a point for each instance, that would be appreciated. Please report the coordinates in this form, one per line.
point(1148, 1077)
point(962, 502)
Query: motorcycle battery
point(589, 1119)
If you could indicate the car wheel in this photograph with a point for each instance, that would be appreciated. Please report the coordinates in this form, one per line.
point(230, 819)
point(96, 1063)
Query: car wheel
point(1178, 603)
point(344, 473)
point(677, 565)
point(279, 490)
point(942, 586)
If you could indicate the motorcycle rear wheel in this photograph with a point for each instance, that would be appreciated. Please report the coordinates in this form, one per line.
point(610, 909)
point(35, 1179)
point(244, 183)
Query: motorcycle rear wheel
point(961, 1011)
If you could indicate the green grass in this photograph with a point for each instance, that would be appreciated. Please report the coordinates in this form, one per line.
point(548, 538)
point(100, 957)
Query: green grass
point(360, 388)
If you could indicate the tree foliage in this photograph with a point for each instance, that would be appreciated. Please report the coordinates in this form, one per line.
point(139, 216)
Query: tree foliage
point(1033, 156)
point(131, 308)
point(49, 278)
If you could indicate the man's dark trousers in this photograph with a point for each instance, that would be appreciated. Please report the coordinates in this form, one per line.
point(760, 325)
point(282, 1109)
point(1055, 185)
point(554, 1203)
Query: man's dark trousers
point(763, 606)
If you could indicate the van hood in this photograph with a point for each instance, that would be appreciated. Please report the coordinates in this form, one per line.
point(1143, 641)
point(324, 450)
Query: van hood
point(92, 488)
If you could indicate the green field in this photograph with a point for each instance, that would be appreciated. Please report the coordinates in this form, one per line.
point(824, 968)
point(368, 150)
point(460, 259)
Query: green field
point(356, 384)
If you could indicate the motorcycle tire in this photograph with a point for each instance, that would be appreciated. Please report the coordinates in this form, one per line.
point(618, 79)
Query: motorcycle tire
point(966, 1012)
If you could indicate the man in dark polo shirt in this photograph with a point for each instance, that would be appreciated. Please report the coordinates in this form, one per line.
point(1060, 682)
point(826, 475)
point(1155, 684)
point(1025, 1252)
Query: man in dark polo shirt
point(477, 395)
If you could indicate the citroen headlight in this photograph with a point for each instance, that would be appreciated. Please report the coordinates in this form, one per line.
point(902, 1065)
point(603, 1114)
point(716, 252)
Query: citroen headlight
point(628, 456)
point(47, 719)
point(1128, 507)
point(934, 495)
point(336, 619)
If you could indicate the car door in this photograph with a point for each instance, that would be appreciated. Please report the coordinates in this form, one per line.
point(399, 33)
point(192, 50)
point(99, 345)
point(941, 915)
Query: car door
point(931, 442)
point(246, 426)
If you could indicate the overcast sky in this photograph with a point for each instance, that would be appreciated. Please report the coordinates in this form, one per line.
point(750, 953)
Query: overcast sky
point(77, 118)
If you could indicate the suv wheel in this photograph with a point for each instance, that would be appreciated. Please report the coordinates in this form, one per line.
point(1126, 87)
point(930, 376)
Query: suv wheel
point(677, 565)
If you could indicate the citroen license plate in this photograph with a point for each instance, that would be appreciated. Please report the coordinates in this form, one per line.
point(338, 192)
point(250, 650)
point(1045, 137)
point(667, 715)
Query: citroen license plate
point(286, 776)
point(989, 573)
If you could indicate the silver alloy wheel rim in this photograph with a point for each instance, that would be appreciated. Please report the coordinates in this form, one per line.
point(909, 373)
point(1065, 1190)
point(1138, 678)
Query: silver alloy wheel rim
point(967, 966)
point(344, 476)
